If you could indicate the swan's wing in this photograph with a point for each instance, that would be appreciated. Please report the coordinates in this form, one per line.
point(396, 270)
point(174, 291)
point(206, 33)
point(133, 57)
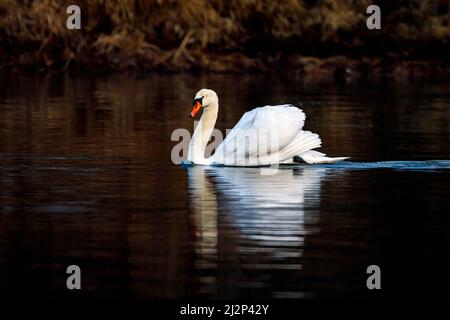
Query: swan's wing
point(260, 132)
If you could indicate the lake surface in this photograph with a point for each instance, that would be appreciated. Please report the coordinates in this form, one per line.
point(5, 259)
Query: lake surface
point(86, 179)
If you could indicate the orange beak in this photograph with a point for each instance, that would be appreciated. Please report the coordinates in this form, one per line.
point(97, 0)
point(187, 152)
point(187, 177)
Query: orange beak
point(197, 106)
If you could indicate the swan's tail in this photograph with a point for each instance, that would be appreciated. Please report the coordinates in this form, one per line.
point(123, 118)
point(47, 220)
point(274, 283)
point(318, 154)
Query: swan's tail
point(302, 147)
point(312, 156)
point(303, 142)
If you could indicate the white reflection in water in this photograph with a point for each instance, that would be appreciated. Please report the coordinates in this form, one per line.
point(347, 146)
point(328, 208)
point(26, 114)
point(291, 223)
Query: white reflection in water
point(245, 220)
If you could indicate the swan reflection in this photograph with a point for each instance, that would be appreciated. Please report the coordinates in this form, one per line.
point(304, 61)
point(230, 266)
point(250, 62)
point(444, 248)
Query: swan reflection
point(245, 221)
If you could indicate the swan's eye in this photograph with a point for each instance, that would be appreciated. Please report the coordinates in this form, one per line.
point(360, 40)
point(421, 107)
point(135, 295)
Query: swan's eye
point(197, 100)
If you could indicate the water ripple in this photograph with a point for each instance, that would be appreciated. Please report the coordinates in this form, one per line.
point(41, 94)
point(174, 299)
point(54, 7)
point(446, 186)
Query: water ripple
point(394, 165)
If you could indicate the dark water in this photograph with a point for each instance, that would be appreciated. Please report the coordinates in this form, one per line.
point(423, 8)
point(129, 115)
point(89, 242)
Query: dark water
point(86, 178)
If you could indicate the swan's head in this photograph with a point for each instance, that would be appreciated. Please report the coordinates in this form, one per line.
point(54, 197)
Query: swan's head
point(204, 98)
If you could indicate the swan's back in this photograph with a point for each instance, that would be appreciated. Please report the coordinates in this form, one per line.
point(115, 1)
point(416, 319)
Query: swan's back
point(260, 133)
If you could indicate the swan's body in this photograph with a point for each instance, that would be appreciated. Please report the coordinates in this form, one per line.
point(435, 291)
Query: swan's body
point(263, 136)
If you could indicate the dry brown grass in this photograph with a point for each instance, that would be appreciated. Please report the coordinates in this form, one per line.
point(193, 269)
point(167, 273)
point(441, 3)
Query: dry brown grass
point(216, 35)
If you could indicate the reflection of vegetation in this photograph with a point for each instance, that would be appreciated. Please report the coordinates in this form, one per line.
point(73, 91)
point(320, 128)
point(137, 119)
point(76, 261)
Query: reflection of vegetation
point(217, 34)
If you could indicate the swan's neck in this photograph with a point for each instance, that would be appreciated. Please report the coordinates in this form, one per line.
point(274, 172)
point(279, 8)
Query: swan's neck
point(201, 136)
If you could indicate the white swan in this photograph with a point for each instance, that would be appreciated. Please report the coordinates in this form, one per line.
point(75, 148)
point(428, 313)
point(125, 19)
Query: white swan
point(267, 135)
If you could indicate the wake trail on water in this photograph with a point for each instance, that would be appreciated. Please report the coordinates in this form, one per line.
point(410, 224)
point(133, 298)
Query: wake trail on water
point(394, 165)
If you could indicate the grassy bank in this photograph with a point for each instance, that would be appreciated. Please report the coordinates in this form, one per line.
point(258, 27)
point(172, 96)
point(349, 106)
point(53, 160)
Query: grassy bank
point(305, 36)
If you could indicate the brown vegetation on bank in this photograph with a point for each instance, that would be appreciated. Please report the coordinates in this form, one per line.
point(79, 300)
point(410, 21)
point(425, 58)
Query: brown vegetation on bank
point(306, 36)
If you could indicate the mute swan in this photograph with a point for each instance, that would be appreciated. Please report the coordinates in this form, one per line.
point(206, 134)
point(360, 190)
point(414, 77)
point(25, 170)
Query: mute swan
point(263, 136)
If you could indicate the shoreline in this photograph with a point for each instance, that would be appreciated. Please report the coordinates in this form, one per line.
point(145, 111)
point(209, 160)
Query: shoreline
point(337, 67)
point(313, 39)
